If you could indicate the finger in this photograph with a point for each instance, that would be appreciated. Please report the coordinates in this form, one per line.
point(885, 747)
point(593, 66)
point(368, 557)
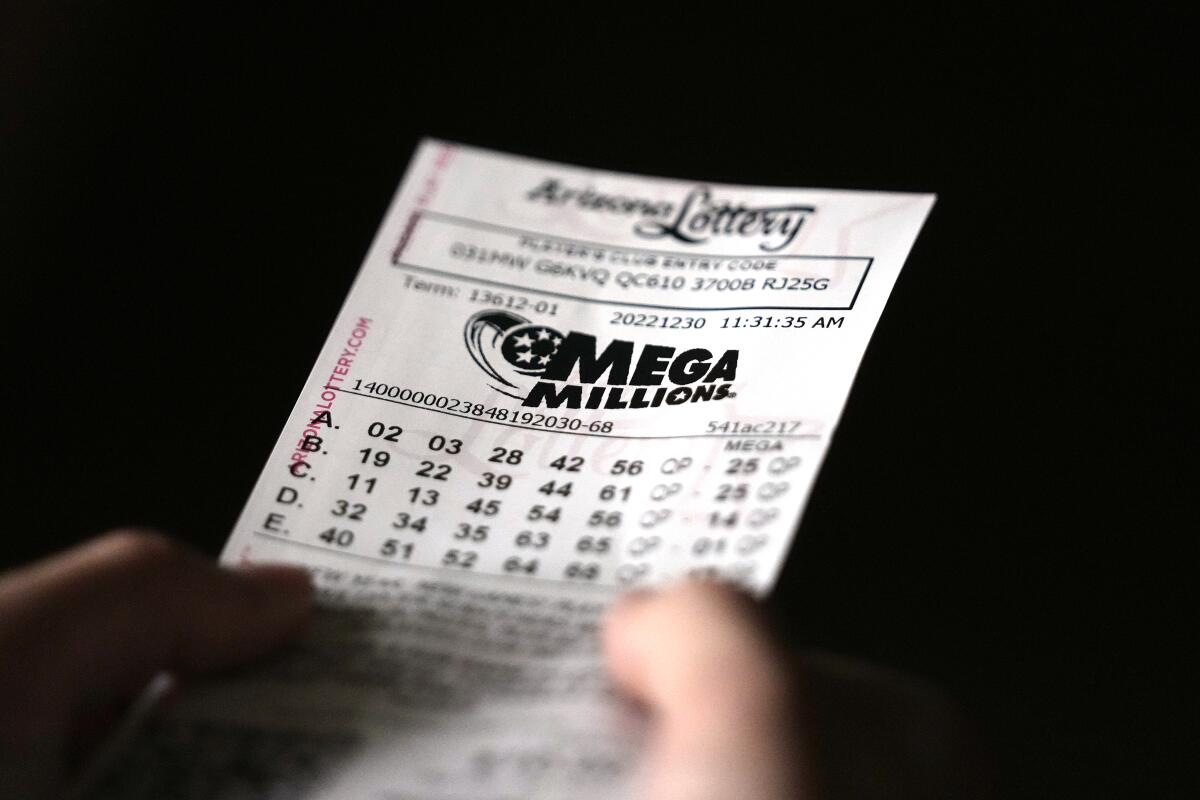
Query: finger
point(668, 648)
point(102, 619)
point(721, 695)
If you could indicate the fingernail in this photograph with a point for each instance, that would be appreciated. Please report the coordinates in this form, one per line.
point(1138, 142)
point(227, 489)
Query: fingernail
point(636, 596)
point(279, 580)
point(630, 601)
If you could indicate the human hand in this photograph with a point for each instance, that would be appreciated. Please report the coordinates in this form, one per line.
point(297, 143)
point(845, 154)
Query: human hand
point(83, 632)
point(723, 698)
point(734, 715)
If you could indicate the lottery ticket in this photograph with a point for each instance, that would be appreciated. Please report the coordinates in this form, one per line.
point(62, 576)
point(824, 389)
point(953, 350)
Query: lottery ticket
point(547, 385)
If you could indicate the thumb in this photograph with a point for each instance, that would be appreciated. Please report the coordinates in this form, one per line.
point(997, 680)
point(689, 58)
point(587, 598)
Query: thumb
point(721, 695)
point(97, 622)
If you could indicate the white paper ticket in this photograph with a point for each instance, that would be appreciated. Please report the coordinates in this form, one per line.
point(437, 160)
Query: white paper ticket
point(546, 385)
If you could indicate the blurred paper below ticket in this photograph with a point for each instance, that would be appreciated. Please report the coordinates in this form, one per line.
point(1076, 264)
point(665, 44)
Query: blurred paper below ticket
point(547, 385)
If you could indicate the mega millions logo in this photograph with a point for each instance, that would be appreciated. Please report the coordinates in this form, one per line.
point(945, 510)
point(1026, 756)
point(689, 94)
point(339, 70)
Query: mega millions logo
point(544, 367)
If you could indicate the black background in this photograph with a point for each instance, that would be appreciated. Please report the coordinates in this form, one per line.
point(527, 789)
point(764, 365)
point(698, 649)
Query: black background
point(187, 197)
